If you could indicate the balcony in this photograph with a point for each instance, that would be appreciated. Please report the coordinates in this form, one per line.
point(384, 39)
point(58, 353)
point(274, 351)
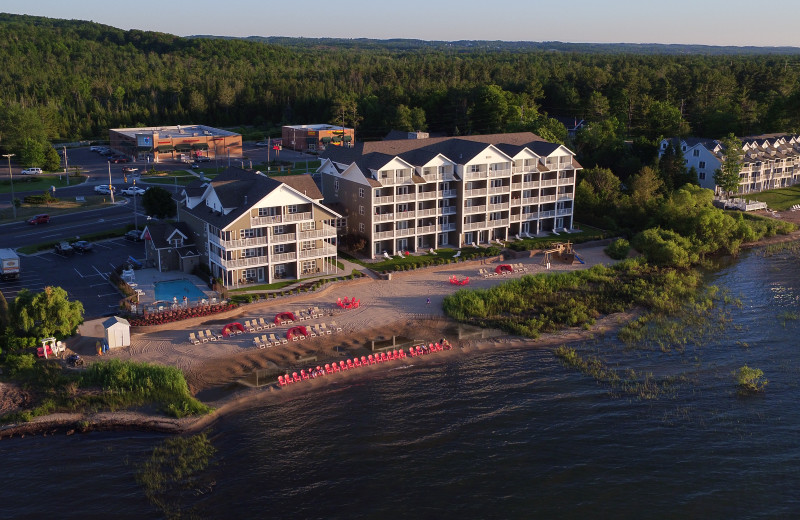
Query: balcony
point(428, 195)
point(547, 198)
point(516, 186)
point(404, 197)
point(405, 215)
point(475, 193)
point(318, 252)
point(235, 244)
point(523, 169)
point(501, 222)
point(266, 221)
point(566, 180)
point(284, 238)
point(565, 196)
point(251, 261)
point(474, 225)
point(379, 235)
point(447, 210)
point(383, 217)
point(546, 214)
point(283, 257)
point(527, 201)
point(384, 200)
point(516, 217)
point(530, 184)
point(426, 229)
point(503, 172)
point(405, 232)
point(474, 209)
point(449, 193)
point(564, 211)
point(499, 207)
point(432, 212)
point(468, 176)
point(448, 227)
point(498, 189)
point(297, 217)
point(548, 182)
point(324, 232)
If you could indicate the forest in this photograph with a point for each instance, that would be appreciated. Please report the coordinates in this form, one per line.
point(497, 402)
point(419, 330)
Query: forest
point(67, 80)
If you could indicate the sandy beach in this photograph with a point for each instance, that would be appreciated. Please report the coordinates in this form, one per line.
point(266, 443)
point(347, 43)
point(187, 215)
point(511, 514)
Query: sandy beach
point(396, 307)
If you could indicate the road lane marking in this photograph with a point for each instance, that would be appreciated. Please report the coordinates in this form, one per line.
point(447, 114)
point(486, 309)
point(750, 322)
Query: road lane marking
point(79, 273)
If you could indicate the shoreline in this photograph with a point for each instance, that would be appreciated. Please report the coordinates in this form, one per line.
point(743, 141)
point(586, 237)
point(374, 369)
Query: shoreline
point(214, 380)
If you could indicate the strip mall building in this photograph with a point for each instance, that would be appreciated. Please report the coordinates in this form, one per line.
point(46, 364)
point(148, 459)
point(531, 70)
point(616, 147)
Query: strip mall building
point(175, 142)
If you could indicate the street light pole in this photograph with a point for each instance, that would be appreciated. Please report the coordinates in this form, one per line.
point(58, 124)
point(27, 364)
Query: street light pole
point(66, 166)
point(110, 186)
point(11, 178)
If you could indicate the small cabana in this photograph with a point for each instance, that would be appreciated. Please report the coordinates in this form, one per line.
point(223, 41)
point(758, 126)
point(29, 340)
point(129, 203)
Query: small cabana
point(117, 332)
point(235, 328)
point(296, 332)
point(283, 317)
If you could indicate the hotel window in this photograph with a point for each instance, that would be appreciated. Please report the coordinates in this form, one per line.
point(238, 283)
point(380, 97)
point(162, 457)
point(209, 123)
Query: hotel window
point(360, 227)
point(701, 175)
point(308, 226)
point(336, 184)
point(250, 253)
point(361, 193)
point(696, 153)
point(308, 266)
point(279, 248)
point(247, 233)
point(702, 164)
point(305, 245)
point(361, 210)
point(266, 212)
point(427, 171)
point(292, 208)
point(474, 168)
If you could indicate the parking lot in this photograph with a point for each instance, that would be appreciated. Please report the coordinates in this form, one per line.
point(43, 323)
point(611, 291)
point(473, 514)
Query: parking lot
point(83, 276)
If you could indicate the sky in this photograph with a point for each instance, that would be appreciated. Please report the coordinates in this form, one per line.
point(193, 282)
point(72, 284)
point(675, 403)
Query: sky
point(705, 22)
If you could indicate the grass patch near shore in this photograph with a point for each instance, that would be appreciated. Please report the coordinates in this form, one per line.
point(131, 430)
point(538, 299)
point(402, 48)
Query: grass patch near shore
point(549, 302)
point(780, 199)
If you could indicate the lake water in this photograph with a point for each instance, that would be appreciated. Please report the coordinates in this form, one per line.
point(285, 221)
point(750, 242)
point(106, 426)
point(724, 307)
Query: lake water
point(506, 434)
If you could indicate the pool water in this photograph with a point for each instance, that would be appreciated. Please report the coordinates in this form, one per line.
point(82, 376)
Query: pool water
point(169, 289)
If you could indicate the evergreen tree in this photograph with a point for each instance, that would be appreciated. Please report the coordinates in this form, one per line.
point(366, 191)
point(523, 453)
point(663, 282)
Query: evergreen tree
point(727, 175)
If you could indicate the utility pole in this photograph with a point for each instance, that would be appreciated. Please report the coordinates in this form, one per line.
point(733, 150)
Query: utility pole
point(110, 186)
point(11, 178)
point(66, 166)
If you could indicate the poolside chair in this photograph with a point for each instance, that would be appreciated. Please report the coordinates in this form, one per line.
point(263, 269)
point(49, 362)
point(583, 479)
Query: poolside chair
point(315, 312)
point(312, 330)
point(335, 327)
point(457, 254)
point(193, 339)
point(248, 327)
point(257, 342)
point(202, 336)
point(210, 336)
point(323, 329)
point(263, 324)
point(265, 341)
point(256, 325)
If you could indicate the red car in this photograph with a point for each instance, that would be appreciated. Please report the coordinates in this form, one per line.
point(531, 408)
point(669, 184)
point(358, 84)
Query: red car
point(116, 160)
point(39, 219)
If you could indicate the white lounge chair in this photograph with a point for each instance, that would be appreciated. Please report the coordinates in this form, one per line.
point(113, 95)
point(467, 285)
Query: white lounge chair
point(210, 336)
point(257, 342)
point(386, 255)
point(517, 236)
point(202, 336)
point(335, 327)
point(457, 254)
point(324, 329)
point(265, 342)
point(431, 251)
point(193, 339)
point(248, 327)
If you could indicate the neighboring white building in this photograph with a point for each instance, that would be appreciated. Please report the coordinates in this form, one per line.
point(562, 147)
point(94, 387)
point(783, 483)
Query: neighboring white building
point(768, 161)
point(416, 194)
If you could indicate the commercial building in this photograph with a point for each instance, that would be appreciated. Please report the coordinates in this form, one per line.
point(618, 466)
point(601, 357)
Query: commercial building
point(181, 142)
point(253, 229)
point(769, 161)
point(415, 194)
point(310, 138)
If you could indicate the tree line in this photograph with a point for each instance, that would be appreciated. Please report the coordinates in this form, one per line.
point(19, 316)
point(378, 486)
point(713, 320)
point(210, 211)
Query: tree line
point(68, 80)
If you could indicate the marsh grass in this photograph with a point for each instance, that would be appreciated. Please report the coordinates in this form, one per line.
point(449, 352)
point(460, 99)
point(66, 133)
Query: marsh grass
point(628, 382)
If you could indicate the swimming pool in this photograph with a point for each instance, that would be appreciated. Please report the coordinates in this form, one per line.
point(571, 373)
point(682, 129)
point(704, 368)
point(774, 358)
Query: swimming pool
point(177, 289)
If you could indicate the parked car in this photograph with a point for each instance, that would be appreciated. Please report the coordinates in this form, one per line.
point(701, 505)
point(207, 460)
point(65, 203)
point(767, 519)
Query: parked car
point(195, 166)
point(129, 169)
point(133, 235)
point(202, 158)
point(96, 148)
point(262, 143)
point(31, 171)
point(133, 190)
point(103, 188)
point(82, 246)
point(64, 249)
point(39, 219)
point(116, 160)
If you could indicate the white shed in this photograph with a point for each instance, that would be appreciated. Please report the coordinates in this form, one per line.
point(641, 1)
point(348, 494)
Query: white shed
point(118, 332)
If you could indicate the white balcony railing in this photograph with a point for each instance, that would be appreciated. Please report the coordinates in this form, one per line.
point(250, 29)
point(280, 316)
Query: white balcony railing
point(499, 207)
point(546, 214)
point(449, 193)
point(297, 217)
point(283, 257)
point(405, 215)
point(498, 189)
point(323, 232)
point(530, 200)
point(474, 209)
point(474, 175)
point(284, 238)
point(503, 172)
point(474, 225)
point(475, 193)
point(432, 212)
point(384, 217)
point(251, 261)
point(448, 227)
point(547, 198)
point(317, 252)
point(530, 184)
point(428, 195)
point(426, 229)
point(404, 232)
point(240, 243)
point(265, 221)
point(516, 186)
point(499, 222)
point(404, 197)
point(384, 200)
point(549, 182)
point(448, 210)
point(563, 211)
point(383, 234)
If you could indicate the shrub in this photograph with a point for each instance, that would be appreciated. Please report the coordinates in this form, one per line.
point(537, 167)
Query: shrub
point(618, 249)
point(750, 380)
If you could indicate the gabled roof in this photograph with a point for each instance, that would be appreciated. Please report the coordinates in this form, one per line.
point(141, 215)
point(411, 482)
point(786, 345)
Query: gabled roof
point(161, 232)
point(303, 184)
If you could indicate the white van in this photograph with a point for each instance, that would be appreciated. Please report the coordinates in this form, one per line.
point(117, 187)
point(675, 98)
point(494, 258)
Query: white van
point(31, 171)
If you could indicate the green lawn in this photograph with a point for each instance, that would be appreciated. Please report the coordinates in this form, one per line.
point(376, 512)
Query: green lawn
point(38, 182)
point(779, 200)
